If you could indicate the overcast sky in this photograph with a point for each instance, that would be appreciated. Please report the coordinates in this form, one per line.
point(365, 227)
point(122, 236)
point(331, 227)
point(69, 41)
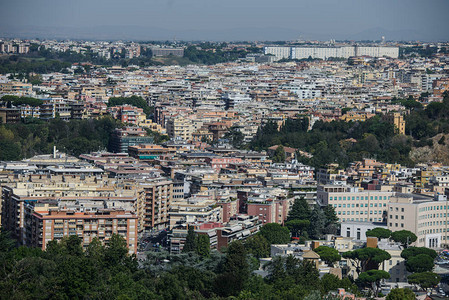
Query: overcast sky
point(425, 19)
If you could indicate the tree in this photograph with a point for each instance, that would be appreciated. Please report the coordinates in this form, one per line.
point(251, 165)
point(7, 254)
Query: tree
point(404, 237)
point(300, 210)
point(331, 225)
point(379, 233)
point(275, 233)
point(328, 254)
point(235, 271)
point(72, 245)
point(116, 250)
point(413, 251)
point(425, 279)
point(317, 222)
point(401, 294)
point(297, 227)
point(235, 137)
point(367, 259)
point(279, 154)
point(190, 243)
point(419, 263)
point(258, 246)
point(373, 278)
point(203, 245)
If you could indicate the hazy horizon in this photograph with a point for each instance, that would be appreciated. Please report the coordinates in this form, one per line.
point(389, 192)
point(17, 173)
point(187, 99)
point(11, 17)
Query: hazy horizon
point(228, 20)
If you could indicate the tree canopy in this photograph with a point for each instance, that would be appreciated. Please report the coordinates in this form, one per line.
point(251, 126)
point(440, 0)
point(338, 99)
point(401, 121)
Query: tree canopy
point(413, 251)
point(328, 254)
point(367, 259)
point(373, 278)
point(425, 280)
point(275, 233)
point(404, 237)
point(419, 263)
point(379, 232)
point(401, 294)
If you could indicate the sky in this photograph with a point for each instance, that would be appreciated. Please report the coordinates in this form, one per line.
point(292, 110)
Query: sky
point(227, 19)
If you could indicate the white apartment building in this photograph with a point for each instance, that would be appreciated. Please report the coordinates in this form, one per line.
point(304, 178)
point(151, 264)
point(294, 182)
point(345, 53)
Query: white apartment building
point(327, 52)
point(355, 204)
point(278, 52)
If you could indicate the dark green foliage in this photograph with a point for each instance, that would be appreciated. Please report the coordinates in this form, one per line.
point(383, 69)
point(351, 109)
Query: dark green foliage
point(317, 222)
point(275, 233)
point(209, 56)
point(298, 227)
point(328, 142)
point(373, 278)
point(413, 251)
point(23, 140)
point(258, 246)
point(367, 259)
point(300, 210)
point(203, 245)
point(292, 278)
point(404, 237)
point(235, 271)
point(64, 271)
point(424, 124)
point(279, 154)
point(235, 137)
point(401, 294)
point(425, 280)
point(157, 137)
point(25, 66)
point(190, 243)
point(419, 263)
point(331, 225)
point(134, 101)
point(328, 254)
point(379, 232)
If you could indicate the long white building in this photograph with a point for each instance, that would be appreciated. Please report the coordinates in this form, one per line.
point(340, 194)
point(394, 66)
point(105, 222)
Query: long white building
point(327, 52)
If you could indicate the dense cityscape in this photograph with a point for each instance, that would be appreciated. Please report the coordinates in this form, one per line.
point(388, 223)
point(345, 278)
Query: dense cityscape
point(222, 169)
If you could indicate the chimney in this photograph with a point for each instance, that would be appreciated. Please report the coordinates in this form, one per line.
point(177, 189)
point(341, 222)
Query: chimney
point(54, 151)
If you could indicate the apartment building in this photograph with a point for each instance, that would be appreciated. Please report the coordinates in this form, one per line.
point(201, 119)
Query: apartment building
point(102, 223)
point(16, 88)
point(158, 199)
point(127, 114)
point(355, 204)
point(19, 198)
point(180, 127)
point(268, 210)
point(195, 210)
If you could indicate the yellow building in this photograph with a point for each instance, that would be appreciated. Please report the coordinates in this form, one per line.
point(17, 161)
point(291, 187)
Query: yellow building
point(398, 120)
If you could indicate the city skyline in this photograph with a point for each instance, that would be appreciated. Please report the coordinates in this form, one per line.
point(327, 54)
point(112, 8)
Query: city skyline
point(205, 20)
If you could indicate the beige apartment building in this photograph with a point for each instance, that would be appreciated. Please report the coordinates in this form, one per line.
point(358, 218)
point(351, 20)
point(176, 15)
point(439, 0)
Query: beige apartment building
point(180, 128)
point(157, 202)
point(355, 204)
point(19, 198)
point(16, 88)
point(424, 216)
